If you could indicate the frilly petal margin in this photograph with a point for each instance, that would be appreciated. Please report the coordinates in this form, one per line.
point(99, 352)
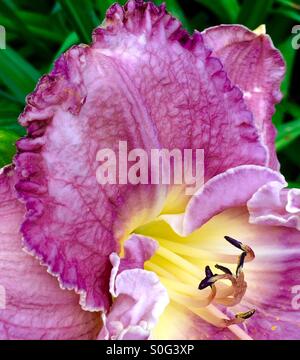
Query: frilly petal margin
point(233, 188)
point(257, 68)
point(33, 306)
point(140, 298)
point(275, 206)
point(145, 80)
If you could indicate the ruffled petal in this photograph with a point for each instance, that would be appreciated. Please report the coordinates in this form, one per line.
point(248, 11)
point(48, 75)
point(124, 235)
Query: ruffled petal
point(275, 206)
point(257, 68)
point(230, 189)
point(144, 80)
point(33, 307)
point(140, 298)
point(137, 250)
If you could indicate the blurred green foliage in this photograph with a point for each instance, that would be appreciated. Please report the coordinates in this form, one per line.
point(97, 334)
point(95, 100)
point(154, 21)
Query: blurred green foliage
point(39, 31)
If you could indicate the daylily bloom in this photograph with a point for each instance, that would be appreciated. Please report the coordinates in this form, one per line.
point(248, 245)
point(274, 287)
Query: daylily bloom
point(219, 264)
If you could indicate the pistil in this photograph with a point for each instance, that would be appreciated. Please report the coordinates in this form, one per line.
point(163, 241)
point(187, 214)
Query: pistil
point(173, 263)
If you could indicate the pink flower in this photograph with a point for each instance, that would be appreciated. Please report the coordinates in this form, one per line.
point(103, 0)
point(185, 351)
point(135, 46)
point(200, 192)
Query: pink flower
point(151, 259)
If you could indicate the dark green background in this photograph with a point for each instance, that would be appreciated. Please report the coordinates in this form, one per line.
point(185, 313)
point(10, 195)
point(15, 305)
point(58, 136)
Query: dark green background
point(39, 31)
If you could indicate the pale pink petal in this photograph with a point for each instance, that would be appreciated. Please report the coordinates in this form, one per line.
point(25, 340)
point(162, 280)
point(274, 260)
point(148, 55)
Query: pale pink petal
point(137, 250)
point(179, 323)
point(144, 80)
point(293, 201)
point(275, 206)
point(273, 280)
point(32, 305)
point(139, 296)
point(273, 277)
point(140, 300)
point(257, 68)
point(230, 189)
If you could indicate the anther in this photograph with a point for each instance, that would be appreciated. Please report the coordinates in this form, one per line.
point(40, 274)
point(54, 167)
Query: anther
point(239, 318)
point(241, 263)
point(224, 269)
point(239, 285)
point(208, 272)
point(209, 279)
point(245, 315)
point(245, 248)
point(234, 242)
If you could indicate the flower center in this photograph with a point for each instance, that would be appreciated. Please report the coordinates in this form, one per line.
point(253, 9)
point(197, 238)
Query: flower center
point(179, 265)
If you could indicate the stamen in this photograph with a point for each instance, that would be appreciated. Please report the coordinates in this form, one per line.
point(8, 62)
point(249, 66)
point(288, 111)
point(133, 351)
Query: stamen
point(234, 242)
point(177, 260)
point(208, 272)
point(245, 315)
point(241, 246)
point(174, 270)
point(180, 276)
point(224, 269)
point(183, 288)
point(240, 317)
point(240, 288)
point(217, 318)
point(241, 263)
point(186, 294)
point(158, 270)
point(209, 279)
point(238, 284)
point(188, 301)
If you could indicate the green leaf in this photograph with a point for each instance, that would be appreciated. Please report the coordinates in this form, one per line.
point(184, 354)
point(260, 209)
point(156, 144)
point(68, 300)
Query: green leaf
point(7, 146)
point(9, 9)
point(17, 74)
point(293, 109)
point(70, 40)
point(291, 152)
point(290, 4)
point(82, 17)
point(292, 14)
point(279, 115)
point(226, 10)
point(103, 5)
point(9, 113)
point(294, 185)
point(289, 55)
point(254, 13)
point(287, 133)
